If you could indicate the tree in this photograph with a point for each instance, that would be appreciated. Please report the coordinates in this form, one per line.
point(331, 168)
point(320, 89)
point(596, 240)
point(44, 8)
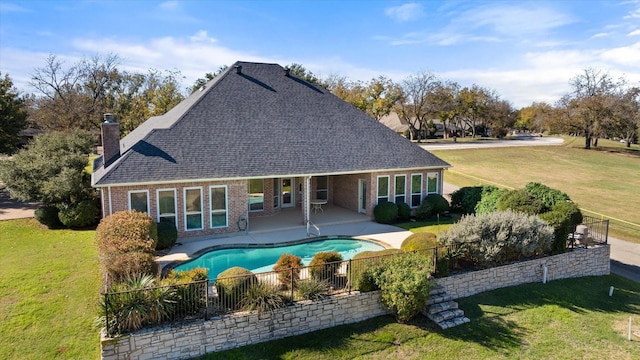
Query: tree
point(473, 107)
point(414, 104)
point(73, 97)
point(444, 98)
point(301, 72)
point(13, 116)
point(626, 115)
point(589, 103)
point(535, 117)
point(51, 170)
point(200, 82)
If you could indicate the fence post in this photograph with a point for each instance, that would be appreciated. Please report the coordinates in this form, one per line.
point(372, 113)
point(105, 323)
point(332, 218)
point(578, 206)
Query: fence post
point(435, 259)
point(106, 312)
point(292, 284)
point(349, 269)
point(206, 299)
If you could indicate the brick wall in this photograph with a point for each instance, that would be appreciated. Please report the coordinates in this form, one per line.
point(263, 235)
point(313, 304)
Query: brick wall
point(230, 331)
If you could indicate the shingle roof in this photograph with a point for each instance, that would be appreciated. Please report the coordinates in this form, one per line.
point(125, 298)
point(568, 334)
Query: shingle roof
point(259, 123)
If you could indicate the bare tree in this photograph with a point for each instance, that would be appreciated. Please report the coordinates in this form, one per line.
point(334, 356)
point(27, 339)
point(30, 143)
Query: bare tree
point(414, 104)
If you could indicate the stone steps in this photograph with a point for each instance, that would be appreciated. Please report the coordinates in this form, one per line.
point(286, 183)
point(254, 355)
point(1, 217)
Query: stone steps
point(442, 310)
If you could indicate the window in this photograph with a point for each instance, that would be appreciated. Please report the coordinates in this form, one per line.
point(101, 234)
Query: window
point(167, 206)
point(432, 183)
point(383, 189)
point(139, 201)
point(416, 189)
point(276, 192)
point(193, 208)
point(256, 195)
point(219, 210)
point(401, 191)
point(322, 188)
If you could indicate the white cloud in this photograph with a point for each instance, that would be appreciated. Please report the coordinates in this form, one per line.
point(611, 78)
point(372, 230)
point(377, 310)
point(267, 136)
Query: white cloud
point(513, 20)
point(405, 12)
point(600, 35)
point(634, 33)
point(8, 7)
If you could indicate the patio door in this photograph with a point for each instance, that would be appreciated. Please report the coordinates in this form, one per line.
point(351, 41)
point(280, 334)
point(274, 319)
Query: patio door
point(362, 196)
point(287, 197)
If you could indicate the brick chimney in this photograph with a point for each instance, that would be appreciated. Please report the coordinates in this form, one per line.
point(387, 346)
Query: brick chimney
point(110, 140)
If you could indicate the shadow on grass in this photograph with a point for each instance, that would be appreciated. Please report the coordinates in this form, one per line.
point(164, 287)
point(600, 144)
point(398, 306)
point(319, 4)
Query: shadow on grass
point(582, 295)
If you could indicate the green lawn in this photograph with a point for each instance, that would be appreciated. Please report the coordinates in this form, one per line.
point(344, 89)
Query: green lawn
point(49, 285)
point(564, 319)
point(602, 182)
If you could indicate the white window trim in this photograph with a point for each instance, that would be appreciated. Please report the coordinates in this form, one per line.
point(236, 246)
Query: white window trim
point(437, 183)
point(136, 192)
point(175, 204)
point(226, 204)
point(395, 182)
point(184, 207)
point(412, 193)
point(378, 188)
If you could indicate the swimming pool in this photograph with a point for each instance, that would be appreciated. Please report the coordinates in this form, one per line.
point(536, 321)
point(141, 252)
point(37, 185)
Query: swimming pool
point(262, 258)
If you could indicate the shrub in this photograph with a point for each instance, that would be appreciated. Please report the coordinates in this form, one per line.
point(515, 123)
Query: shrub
point(79, 215)
point(262, 298)
point(499, 237)
point(520, 201)
point(324, 265)
point(128, 265)
point(361, 271)
point(404, 211)
point(312, 288)
point(432, 205)
point(564, 217)
point(288, 268)
point(167, 235)
point(133, 307)
point(232, 284)
point(546, 195)
point(465, 199)
point(190, 298)
point(419, 241)
point(126, 243)
point(405, 283)
point(385, 213)
point(489, 201)
point(48, 216)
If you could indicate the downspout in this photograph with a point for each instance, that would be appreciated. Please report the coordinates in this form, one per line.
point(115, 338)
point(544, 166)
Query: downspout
point(110, 206)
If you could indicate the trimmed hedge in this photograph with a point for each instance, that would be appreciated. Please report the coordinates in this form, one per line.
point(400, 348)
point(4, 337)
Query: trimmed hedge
point(404, 211)
point(433, 204)
point(80, 215)
point(48, 216)
point(489, 201)
point(520, 201)
point(465, 199)
point(126, 244)
point(419, 241)
point(549, 197)
point(385, 213)
point(361, 272)
point(232, 284)
point(288, 267)
point(167, 235)
point(324, 265)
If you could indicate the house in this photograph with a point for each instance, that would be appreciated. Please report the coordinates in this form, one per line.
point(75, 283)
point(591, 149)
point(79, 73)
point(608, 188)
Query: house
point(252, 142)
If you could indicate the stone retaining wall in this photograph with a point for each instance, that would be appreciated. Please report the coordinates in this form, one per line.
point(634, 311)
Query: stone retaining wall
point(580, 262)
point(231, 331)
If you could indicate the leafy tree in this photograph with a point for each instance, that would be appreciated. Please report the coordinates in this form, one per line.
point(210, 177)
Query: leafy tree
point(444, 99)
point(301, 72)
point(207, 77)
point(626, 115)
point(415, 103)
point(13, 116)
point(51, 170)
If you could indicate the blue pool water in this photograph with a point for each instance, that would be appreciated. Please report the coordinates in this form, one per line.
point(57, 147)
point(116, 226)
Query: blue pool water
point(262, 259)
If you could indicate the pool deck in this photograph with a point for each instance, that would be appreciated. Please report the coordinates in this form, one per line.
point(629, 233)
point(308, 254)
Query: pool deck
point(287, 227)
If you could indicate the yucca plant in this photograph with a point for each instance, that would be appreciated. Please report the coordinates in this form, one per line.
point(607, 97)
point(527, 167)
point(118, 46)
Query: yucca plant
point(312, 288)
point(262, 298)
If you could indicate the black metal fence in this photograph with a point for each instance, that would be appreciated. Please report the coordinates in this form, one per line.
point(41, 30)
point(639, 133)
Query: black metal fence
point(136, 309)
point(592, 231)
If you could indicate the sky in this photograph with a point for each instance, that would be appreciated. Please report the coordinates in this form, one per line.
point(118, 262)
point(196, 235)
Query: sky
point(525, 51)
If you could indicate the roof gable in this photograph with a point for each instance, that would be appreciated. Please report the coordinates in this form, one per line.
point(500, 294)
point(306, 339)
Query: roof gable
point(260, 122)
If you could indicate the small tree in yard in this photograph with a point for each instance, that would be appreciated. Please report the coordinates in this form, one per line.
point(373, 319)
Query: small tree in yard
point(51, 171)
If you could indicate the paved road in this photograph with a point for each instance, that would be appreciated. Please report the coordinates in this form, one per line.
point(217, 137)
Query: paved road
point(524, 140)
point(12, 209)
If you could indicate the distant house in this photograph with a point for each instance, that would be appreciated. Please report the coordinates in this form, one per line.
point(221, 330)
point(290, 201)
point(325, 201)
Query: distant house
point(252, 142)
point(395, 123)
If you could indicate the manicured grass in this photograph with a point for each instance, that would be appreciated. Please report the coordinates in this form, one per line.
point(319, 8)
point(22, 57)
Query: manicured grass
point(435, 226)
point(49, 286)
point(564, 319)
point(600, 181)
